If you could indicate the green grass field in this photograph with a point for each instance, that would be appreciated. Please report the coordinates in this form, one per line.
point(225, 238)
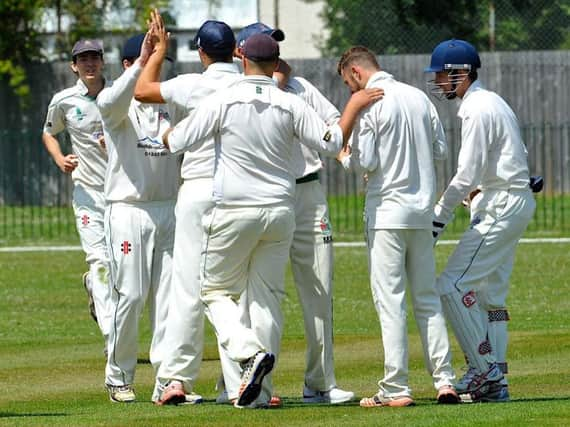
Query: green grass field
point(52, 365)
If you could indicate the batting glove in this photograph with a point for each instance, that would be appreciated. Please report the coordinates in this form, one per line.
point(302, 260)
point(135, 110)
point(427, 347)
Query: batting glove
point(441, 217)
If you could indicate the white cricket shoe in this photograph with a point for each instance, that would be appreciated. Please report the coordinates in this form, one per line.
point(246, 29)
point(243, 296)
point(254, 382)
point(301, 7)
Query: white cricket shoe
point(254, 370)
point(121, 393)
point(334, 396)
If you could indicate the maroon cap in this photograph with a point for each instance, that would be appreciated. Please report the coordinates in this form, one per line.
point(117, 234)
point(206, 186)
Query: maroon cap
point(261, 47)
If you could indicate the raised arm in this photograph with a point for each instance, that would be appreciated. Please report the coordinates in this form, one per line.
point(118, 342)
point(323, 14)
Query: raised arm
point(147, 88)
point(114, 101)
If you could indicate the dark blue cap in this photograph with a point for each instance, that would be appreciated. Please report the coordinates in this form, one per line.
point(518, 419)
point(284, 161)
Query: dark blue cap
point(258, 28)
point(215, 37)
point(453, 54)
point(132, 47)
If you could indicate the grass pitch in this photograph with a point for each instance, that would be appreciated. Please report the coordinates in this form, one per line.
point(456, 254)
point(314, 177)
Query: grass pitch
point(52, 364)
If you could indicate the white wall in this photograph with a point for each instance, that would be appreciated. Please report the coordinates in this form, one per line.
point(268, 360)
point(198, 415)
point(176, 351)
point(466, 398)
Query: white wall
point(301, 23)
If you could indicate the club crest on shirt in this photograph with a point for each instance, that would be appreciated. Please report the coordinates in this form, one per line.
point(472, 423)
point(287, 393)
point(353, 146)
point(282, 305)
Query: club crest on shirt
point(327, 136)
point(79, 115)
point(85, 220)
point(326, 230)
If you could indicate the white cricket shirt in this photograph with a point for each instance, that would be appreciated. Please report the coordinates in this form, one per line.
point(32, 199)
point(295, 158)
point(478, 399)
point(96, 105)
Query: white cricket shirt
point(492, 155)
point(74, 110)
point(186, 92)
point(140, 168)
point(305, 159)
point(396, 142)
point(255, 125)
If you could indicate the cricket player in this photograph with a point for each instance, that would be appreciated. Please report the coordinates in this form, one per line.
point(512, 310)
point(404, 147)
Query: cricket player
point(74, 109)
point(311, 251)
point(396, 142)
point(140, 188)
point(249, 232)
point(184, 339)
point(493, 161)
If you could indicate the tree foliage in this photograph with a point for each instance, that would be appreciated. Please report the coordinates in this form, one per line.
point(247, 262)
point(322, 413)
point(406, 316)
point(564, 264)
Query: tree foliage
point(416, 26)
point(19, 42)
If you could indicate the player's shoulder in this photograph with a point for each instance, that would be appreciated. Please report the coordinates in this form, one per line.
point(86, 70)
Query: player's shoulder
point(64, 95)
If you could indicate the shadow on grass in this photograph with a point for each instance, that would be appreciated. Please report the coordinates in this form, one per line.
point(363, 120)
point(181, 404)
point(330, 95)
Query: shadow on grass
point(25, 414)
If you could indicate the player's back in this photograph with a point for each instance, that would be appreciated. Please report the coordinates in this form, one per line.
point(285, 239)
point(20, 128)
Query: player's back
point(403, 183)
point(186, 92)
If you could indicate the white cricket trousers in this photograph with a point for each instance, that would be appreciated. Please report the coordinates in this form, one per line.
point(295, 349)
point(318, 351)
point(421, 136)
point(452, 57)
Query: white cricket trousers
point(140, 239)
point(89, 210)
point(184, 335)
point(396, 257)
point(311, 257)
point(482, 262)
point(246, 248)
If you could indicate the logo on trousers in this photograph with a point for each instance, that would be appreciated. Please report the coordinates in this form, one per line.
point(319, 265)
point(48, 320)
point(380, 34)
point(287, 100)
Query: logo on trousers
point(126, 247)
point(469, 299)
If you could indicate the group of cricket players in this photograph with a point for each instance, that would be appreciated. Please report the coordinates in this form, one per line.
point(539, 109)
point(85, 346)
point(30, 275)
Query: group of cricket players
point(192, 194)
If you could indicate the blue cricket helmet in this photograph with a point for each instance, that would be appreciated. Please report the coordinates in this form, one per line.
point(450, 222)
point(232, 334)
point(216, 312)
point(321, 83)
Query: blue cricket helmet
point(454, 54)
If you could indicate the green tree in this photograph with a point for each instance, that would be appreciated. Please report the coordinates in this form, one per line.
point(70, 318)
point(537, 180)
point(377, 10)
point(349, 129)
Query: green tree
point(416, 26)
point(19, 42)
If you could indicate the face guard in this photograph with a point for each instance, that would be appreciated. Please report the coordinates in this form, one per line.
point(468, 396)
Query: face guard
point(455, 76)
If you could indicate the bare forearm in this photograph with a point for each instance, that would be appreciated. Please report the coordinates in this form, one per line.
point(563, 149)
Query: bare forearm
point(147, 88)
point(52, 146)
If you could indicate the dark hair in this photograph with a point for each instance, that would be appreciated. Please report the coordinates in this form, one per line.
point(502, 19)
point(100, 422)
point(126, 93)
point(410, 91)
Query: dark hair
point(357, 54)
point(221, 57)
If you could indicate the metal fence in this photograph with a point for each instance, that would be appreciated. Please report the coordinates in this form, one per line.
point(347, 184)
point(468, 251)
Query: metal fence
point(35, 197)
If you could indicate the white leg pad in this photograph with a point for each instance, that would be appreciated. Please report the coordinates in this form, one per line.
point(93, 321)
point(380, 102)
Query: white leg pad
point(462, 312)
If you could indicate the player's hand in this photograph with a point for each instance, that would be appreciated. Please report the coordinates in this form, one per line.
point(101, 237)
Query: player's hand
point(159, 36)
point(363, 98)
point(467, 201)
point(67, 164)
point(146, 49)
point(441, 217)
point(282, 74)
point(344, 153)
point(101, 141)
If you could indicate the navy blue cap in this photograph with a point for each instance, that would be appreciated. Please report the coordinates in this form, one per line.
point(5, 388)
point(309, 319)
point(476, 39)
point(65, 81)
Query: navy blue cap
point(258, 28)
point(261, 47)
point(132, 47)
point(215, 37)
point(452, 55)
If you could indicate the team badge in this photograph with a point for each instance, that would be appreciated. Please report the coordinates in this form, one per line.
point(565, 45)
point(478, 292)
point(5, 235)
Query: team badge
point(258, 90)
point(85, 220)
point(327, 136)
point(126, 247)
point(326, 230)
point(469, 299)
point(79, 115)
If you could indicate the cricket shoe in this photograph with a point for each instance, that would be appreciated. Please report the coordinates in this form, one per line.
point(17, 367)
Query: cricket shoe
point(480, 382)
point(92, 311)
point(334, 396)
point(378, 401)
point(173, 393)
point(446, 395)
point(495, 393)
point(463, 384)
point(254, 370)
point(121, 393)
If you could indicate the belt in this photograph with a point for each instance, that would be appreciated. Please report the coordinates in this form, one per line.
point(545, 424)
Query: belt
point(308, 178)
